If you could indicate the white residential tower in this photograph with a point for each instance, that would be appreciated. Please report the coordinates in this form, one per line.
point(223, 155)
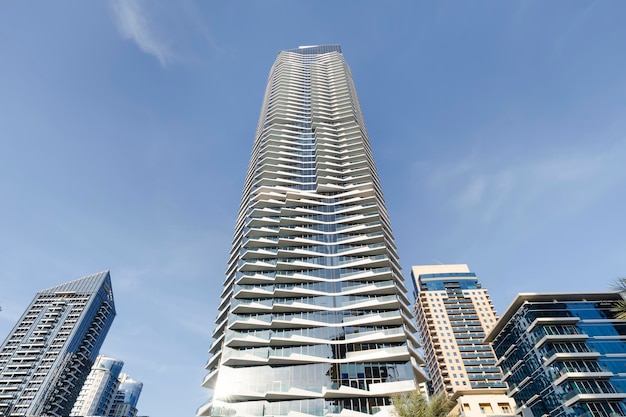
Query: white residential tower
point(314, 319)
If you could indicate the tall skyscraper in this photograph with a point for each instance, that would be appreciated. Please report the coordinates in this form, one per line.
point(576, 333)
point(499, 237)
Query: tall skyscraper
point(453, 313)
point(97, 395)
point(46, 358)
point(563, 354)
point(314, 319)
point(126, 398)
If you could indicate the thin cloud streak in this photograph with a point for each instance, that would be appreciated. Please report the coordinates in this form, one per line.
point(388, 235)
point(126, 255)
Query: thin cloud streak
point(132, 24)
point(493, 191)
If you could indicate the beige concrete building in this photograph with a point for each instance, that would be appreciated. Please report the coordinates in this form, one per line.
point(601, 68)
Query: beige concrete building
point(453, 314)
point(473, 403)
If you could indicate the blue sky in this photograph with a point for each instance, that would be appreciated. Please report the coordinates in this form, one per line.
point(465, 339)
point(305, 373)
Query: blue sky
point(499, 131)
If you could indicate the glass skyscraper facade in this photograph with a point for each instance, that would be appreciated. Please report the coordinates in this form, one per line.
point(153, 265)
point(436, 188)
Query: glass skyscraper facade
point(563, 354)
point(314, 318)
point(126, 398)
point(47, 356)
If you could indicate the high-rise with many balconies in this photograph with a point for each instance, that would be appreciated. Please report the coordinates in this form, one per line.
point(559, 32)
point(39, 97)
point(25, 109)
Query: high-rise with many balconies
point(98, 392)
point(47, 356)
point(453, 313)
point(314, 318)
point(563, 354)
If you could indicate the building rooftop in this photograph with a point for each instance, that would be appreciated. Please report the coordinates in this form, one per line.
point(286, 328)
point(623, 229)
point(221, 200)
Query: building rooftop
point(547, 297)
point(315, 49)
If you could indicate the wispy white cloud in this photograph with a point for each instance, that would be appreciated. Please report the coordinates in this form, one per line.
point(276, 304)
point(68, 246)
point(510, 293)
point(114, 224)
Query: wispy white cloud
point(133, 24)
point(492, 188)
point(172, 33)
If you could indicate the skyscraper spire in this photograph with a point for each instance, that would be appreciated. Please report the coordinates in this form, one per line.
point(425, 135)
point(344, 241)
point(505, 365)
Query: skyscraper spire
point(314, 318)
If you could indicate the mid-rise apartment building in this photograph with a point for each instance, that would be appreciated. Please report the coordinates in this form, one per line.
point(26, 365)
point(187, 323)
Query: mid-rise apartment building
point(563, 354)
point(453, 313)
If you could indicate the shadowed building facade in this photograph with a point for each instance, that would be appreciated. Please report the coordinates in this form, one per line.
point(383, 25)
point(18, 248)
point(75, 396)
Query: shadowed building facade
point(47, 356)
point(314, 317)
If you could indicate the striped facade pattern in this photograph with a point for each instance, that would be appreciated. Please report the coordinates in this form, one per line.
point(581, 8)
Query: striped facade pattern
point(47, 356)
point(314, 319)
point(453, 313)
point(563, 354)
point(98, 392)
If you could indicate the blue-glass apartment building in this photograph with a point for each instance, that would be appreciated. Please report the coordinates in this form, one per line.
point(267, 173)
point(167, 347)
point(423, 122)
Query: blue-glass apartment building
point(563, 354)
point(126, 398)
point(47, 356)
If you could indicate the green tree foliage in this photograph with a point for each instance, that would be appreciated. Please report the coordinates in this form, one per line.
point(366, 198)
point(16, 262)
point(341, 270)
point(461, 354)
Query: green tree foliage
point(414, 404)
point(620, 308)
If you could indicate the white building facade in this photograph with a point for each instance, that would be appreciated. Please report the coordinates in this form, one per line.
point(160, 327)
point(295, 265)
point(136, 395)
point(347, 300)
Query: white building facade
point(314, 318)
point(97, 395)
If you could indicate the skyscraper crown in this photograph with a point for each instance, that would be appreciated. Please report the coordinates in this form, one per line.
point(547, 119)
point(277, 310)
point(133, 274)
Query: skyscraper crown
point(85, 285)
point(316, 49)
